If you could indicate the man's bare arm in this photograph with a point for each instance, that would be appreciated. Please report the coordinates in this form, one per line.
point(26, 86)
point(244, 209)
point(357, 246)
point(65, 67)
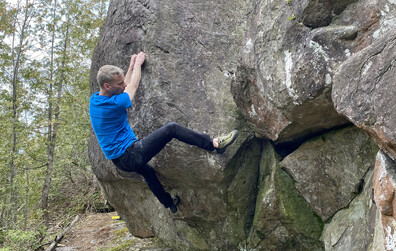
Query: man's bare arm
point(128, 75)
point(133, 79)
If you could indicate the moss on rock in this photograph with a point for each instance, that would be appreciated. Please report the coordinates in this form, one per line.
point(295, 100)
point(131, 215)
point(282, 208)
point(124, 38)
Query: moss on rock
point(298, 214)
point(283, 220)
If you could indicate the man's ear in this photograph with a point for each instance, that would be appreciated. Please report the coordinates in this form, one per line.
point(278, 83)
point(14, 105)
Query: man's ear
point(106, 86)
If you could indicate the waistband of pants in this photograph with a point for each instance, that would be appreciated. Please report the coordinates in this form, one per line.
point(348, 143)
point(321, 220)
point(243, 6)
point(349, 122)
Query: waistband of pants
point(118, 159)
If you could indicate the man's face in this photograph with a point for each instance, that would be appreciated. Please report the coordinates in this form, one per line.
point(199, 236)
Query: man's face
point(117, 86)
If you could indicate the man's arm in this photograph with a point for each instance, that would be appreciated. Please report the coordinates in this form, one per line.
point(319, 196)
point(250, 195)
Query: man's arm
point(132, 78)
point(128, 75)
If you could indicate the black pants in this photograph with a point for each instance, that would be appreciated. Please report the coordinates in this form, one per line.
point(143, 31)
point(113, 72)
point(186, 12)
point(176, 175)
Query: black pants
point(140, 152)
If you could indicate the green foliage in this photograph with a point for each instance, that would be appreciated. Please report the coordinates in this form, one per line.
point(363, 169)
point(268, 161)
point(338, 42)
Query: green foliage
point(122, 241)
point(45, 63)
point(123, 246)
point(21, 240)
point(289, 3)
point(120, 233)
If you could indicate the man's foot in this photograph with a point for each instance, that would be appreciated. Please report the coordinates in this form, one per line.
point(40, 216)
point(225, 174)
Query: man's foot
point(226, 141)
point(176, 201)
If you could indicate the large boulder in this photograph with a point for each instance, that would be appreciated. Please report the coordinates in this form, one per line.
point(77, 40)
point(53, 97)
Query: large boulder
point(186, 78)
point(353, 228)
point(271, 69)
point(328, 171)
point(283, 83)
point(290, 53)
point(384, 196)
point(364, 91)
point(283, 219)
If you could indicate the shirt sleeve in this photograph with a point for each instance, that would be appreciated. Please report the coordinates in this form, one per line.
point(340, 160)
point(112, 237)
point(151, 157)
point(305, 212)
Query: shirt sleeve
point(122, 100)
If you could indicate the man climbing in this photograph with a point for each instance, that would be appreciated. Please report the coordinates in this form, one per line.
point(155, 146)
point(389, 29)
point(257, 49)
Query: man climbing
point(108, 114)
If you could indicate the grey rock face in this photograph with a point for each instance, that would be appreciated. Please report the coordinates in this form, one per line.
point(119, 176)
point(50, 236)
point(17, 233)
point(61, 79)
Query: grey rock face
point(364, 90)
point(289, 59)
point(281, 70)
point(353, 228)
point(328, 171)
point(190, 62)
point(318, 13)
point(283, 84)
point(283, 220)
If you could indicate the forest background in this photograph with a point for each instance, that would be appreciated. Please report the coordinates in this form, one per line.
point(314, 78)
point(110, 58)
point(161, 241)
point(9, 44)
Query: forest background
point(45, 57)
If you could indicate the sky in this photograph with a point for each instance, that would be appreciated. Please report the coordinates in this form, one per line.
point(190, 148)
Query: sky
point(14, 2)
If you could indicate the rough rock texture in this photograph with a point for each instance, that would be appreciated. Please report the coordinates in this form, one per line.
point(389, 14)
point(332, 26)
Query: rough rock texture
point(328, 171)
point(290, 53)
point(364, 90)
point(283, 220)
point(283, 83)
point(318, 13)
point(184, 81)
point(353, 228)
point(275, 70)
point(384, 196)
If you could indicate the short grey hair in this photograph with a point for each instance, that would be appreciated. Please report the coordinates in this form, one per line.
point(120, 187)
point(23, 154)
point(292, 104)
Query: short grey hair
point(106, 74)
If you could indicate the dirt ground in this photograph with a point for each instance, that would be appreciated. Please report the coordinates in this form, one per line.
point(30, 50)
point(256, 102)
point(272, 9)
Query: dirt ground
point(99, 232)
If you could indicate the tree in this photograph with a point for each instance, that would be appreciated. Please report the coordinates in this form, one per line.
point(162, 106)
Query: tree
point(79, 20)
point(53, 114)
point(19, 31)
point(45, 52)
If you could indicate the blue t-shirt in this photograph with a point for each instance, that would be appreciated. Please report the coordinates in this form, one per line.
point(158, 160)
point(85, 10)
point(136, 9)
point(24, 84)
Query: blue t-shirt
point(110, 124)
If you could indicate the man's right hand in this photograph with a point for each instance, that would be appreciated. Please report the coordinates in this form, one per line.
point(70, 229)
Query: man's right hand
point(140, 58)
point(133, 79)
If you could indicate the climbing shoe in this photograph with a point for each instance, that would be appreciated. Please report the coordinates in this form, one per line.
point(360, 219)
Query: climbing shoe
point(227, 140)
point(176, 201)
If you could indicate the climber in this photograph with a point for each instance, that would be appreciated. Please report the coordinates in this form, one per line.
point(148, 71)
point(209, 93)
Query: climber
point(108, 114)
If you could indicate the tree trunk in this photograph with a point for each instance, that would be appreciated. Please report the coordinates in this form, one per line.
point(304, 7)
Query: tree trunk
point(51, 138)
point(26, 199)
point(53, 115)
point(10, 217)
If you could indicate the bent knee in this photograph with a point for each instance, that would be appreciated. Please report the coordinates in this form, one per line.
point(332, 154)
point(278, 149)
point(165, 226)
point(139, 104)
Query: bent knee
point(172, 123)
point(172, 126)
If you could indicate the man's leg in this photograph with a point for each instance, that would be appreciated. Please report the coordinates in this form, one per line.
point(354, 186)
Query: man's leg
point(154, 184)
point(130, 161)
point(153, 143)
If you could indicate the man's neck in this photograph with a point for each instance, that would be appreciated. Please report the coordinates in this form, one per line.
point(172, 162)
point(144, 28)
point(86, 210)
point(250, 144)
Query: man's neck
point(103, 92)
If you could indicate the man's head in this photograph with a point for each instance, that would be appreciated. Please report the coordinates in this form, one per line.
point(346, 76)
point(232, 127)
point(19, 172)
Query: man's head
point(111, 80)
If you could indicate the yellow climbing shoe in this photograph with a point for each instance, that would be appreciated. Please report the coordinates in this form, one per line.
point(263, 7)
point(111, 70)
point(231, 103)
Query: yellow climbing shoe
point(226, 141)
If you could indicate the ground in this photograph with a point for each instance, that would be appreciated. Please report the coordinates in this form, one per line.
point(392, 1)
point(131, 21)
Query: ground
point(100, 232)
